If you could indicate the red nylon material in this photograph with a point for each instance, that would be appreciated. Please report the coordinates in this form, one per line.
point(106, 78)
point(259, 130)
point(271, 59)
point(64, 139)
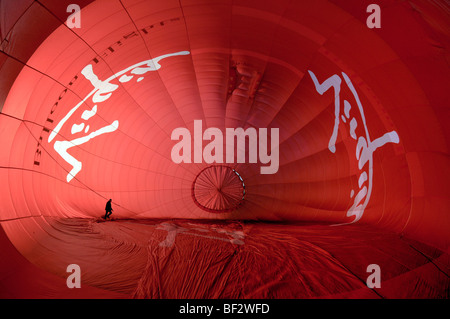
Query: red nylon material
point(230, 65)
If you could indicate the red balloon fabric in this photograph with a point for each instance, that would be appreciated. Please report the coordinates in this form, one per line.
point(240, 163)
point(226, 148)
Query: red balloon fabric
point(251, 149)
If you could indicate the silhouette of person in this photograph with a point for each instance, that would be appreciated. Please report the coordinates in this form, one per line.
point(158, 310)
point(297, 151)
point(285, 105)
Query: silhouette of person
point(108, 209)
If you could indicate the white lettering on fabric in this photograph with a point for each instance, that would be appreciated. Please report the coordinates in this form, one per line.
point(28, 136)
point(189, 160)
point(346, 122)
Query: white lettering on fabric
point(365, 146)
point(102, 91)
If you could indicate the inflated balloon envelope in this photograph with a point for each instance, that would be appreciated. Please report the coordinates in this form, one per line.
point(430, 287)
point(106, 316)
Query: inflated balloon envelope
point(252, 150)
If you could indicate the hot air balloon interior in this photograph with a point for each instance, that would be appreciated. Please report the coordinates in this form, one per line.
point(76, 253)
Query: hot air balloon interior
point(252, 149)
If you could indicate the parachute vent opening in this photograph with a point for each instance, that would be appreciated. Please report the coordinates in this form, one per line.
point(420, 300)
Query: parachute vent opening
point(218, 189)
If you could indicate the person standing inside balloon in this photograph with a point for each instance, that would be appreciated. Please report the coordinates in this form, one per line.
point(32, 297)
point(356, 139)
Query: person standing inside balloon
point(108, 209)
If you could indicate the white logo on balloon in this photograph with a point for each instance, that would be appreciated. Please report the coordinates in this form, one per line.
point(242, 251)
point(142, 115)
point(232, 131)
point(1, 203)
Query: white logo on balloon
point(364, 148)
point(102, 91)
